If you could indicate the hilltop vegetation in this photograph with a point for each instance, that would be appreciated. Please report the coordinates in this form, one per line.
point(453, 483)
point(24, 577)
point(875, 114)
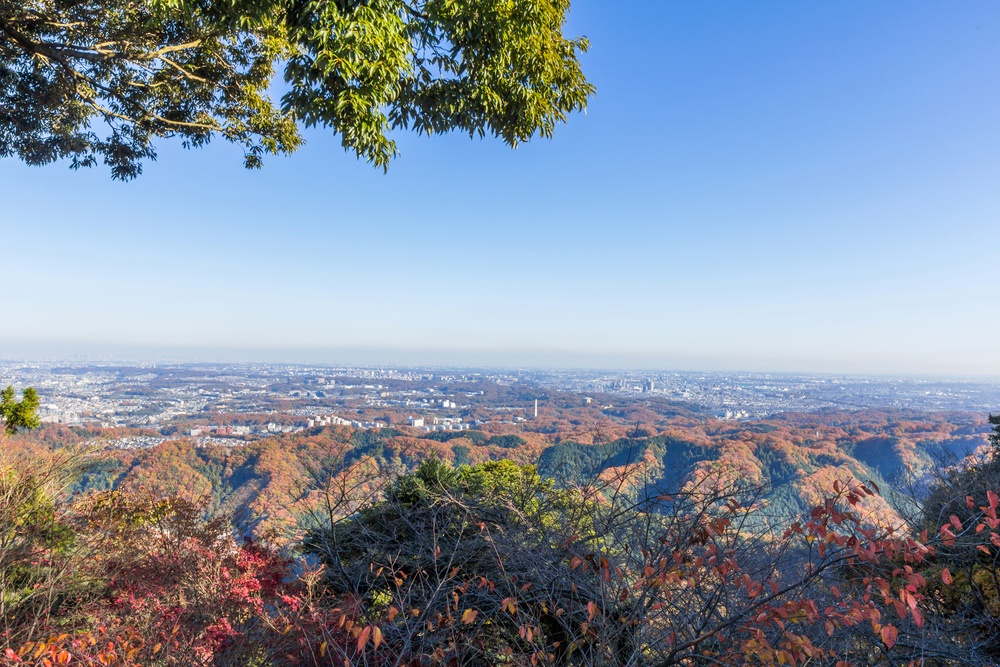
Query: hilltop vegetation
point(494, 563)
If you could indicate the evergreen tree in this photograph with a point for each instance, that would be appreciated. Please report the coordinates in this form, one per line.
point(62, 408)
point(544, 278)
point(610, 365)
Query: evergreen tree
point(16, 414)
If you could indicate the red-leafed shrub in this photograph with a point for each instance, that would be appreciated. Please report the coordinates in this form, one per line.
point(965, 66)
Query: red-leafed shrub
point(487, 565)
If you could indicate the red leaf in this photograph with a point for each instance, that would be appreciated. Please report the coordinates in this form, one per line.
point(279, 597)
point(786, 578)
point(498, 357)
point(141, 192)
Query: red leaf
point(889, 634)
point(946, 577)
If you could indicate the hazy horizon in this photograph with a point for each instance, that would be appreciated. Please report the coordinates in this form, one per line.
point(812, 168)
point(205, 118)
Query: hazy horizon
point(513, 359)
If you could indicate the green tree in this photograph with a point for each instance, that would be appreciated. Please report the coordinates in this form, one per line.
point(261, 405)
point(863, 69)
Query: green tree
point(18, 414)
point(88, 81)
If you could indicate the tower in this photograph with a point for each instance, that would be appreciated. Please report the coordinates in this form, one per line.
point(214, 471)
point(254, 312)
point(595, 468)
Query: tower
point(536, 408)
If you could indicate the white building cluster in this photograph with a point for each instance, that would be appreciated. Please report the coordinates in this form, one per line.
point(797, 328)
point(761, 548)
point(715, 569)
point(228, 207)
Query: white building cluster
point(334, 420)
point(439, 424)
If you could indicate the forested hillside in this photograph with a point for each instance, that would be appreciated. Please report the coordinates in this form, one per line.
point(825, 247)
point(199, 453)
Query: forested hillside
point(795, 458)
point(712, 543)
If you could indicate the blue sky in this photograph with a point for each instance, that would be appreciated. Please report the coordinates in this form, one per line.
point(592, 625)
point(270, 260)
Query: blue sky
point(763, 186)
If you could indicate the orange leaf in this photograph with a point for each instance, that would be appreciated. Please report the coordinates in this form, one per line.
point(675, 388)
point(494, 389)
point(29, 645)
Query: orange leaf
point(363, 637)
point(469, 616)
point(376, 636)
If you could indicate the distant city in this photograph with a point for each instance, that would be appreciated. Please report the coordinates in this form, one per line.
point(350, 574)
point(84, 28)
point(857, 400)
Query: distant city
point(758, 395)
point(186, 400)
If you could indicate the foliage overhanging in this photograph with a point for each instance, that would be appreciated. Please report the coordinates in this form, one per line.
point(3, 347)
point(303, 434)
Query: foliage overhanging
point(95, 81)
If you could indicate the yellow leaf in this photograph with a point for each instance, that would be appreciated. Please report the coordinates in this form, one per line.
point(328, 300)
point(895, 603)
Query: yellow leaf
point(469, 616)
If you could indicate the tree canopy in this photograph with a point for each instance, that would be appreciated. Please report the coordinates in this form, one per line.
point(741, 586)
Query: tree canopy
point(16, 415)
point(91, 81)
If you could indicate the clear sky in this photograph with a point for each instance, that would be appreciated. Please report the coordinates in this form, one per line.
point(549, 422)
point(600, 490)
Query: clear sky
point(763, 186)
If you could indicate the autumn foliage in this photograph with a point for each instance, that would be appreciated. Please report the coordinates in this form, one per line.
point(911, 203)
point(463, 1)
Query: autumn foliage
point(491, 564)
